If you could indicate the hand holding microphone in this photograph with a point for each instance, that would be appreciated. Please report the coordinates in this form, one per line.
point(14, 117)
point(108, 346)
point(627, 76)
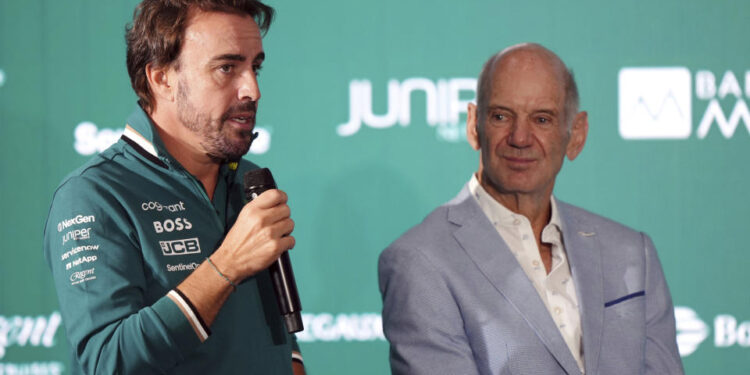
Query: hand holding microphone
point(259, 239)
point(256, 182)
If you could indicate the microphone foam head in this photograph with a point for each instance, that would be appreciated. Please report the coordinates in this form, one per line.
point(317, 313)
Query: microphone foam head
point(260, 178)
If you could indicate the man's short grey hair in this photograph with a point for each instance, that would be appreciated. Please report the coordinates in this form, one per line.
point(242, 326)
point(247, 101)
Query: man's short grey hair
point(484, 85)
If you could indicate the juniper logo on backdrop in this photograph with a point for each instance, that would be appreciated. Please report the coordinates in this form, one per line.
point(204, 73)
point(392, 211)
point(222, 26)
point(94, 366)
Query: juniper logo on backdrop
point(655, 103)
point(445, 101)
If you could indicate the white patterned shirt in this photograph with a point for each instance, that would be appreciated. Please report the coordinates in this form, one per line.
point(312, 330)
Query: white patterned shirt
point(556, 289)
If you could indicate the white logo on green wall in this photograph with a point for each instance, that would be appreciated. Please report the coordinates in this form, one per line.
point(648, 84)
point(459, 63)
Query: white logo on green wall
point(654, 103)
point(35, 367)
point(691, 330)
point(730, 332)
point(328, 327)
point(657, 103)
point(28, 331)
point(2, 78)
point(262, 143)
point(728, 89)
point(89, 139)
point(445, 101)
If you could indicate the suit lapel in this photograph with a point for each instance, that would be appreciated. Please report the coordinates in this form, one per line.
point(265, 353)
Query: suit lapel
point(582, 247)
point(491, 254)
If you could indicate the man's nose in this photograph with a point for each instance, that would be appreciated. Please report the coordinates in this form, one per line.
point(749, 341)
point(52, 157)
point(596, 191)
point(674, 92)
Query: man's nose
point(248, 87)
point(520, 134)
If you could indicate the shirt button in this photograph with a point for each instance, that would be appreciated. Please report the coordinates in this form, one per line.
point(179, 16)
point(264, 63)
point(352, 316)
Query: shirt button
point(558, 310)
point(516, 222)
point(535, 263)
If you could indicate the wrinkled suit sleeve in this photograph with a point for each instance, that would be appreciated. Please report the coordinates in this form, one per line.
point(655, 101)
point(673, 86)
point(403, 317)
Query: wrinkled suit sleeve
point(661, 354)
point(98, 271)
point(420, 317)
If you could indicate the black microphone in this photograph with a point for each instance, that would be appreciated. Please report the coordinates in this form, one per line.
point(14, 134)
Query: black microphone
point(287, 297)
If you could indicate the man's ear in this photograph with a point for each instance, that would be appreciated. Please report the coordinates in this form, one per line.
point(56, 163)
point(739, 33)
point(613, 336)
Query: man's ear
point(578, 133)
point(159, 80)
point(471, 126)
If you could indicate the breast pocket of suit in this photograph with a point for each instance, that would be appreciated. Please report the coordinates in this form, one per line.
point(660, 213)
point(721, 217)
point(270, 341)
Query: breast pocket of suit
point(626, 307)
point(624, 333)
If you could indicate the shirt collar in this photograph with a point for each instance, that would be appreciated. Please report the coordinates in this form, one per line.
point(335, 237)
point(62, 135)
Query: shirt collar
point(141, 134)
point(501, 215)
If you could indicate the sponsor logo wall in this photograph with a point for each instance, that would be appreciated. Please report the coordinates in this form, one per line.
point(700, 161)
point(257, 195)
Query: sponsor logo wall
point(655, 103)
point(32, 332)
point(443, 102)
point(362, 123)
point(90, 140)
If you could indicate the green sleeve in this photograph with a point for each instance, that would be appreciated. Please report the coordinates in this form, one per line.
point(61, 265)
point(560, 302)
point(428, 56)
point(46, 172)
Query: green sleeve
point(98, 270)
point(295, 346)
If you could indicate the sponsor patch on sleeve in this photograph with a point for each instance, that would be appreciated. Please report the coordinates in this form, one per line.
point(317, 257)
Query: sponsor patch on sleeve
point(79, 219)
point(82, 276)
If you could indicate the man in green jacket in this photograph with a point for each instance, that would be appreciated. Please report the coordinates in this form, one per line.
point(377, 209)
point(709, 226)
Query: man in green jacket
point(159, 265)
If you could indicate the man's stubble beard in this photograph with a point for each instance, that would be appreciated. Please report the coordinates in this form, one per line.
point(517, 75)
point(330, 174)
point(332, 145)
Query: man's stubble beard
point(215, 137)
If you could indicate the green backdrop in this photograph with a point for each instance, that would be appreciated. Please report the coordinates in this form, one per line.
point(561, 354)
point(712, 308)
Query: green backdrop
point(362, 123)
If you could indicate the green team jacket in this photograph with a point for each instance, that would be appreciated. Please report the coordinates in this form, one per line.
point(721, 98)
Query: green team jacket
point(123, 231)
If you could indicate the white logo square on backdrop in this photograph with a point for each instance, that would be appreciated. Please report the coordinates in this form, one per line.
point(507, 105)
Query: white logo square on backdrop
point(655, 103)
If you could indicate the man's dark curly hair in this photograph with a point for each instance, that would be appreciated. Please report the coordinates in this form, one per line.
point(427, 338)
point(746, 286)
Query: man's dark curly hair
point(156, 35)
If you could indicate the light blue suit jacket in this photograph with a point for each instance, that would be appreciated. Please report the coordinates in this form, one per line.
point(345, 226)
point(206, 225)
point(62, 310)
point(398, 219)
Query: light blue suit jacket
point(456, 301)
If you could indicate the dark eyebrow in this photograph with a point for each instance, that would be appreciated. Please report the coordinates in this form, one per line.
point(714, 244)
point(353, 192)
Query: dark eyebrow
point(230, 57)
point(235, 57)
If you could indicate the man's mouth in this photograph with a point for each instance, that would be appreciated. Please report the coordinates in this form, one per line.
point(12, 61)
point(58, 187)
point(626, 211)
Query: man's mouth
point(516, 159)
point(242, 119)
point(519, 163)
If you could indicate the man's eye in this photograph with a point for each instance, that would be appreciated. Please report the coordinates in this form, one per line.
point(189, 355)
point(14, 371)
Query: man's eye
point(498, 117)
point(227, 68)
point(543, 120)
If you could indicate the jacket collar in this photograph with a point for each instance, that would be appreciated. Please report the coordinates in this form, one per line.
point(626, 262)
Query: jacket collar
point(585, 258)
point(496, 212)
point(140, 133)
point(493, 258)
point(142, 136)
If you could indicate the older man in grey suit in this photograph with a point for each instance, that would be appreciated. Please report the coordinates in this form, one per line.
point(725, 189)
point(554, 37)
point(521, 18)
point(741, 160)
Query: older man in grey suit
point(505, 278)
